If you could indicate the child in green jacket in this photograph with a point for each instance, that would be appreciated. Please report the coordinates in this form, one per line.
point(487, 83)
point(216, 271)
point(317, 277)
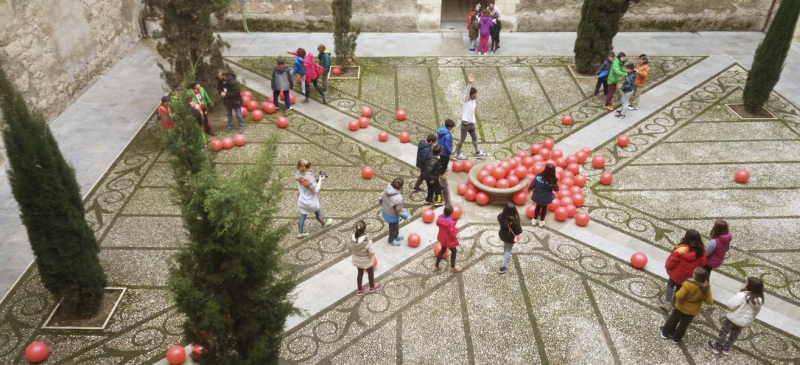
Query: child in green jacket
point(324, 58)
point(615, 74)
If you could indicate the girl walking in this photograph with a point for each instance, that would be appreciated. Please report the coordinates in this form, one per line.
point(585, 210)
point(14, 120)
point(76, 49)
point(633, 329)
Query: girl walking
point(543, 187)
point(685, 257)
point(447, 238)
point(307, 201)
point(688, 302)
point(361, 247)
point(510, 231)
point(742, 311)
point(718, 245)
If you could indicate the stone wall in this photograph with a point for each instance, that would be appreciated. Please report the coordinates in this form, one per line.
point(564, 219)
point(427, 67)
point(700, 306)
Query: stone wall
point(54, 49)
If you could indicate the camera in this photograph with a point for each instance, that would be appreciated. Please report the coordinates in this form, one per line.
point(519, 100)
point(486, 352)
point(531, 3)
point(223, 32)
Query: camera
point(323, 174)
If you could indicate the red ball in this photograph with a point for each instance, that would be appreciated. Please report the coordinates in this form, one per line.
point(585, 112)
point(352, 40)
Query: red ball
point(282, 122)
point(482, 175)
point(742, 176)
point(482, 198)
point(271, 100)
point(623, 140)
point(528, 161)
point(227, 143)
point(567, 181)
point(520, 171)
point(535, 148)
point(566, 119)
point(197, 350)
point(553, 205)
point(176, 354)
point(571, 211)
point(490, 181)
point(36, 352)
point(520, 197)
point(246, 99)
point(257, 115)
point(556, 153)
point(404, 136)
point(470, 195)
point(581, 156)
point(383, 136)
point(367, 172)
point(363, 122)
point(513, 181)
point(548, 143)
point(606, 178)
point(502, 184)
point(530, 210)
point(582, 218)
point(565, 201)
point(251, 105)
point(291, 98)
point(239, 140)
point(352, 125)
point(244, 112)
point(498, 172)
point(567, 173)
point(414, 239)
point(400, 114)
point(638, 260)
point(576, 189)
point(578, 199)
point(268, 107)
point(366, 111)
point(336, 71)
point(488, 167)
point(458, 166)
point(598, 161)
point(216, 144)
point(428, 215)
point(468, 165)
point(462, 188)
point(246, 93)
point(561, 162)
point(561, 214)
point(438, 246)
point(563, 191)
point(580, 180)
point(537, 168)
point(513, 163)
point(505, 165)
point(456, 211)
point(587, 151)
point(574, 168)
point(544, 152)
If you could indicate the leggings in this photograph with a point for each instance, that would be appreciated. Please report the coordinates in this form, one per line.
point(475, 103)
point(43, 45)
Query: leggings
point(727, 327)
point(452, 257)
point(483, 47)
point(708, 269)
point(277, 93)
point(506, 253)
point(540, 209)
point(370, 275)
point(672, 287)
point(302, 221)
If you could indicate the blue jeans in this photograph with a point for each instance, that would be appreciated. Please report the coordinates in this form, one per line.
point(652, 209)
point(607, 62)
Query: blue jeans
point(302, 221)
point(277, 93)
point(506, 254)
point(230, 116)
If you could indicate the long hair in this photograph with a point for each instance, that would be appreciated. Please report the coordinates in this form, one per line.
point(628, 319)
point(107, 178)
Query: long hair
point(720, 228)
point(361, 229)
point(509, 215)
point(755, 289)
point(549, 174)
point(303, 166)
point(695, 242)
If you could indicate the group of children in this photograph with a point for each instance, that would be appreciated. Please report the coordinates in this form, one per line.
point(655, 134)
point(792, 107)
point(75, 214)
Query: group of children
point(308, 71)
point(481, 26)
point(630, 79)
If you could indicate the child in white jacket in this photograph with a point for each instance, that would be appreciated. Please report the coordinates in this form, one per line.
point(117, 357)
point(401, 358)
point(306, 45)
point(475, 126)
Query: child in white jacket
point(742, 311)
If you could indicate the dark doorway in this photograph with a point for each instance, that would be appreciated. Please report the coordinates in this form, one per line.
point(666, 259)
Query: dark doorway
point(455, 13)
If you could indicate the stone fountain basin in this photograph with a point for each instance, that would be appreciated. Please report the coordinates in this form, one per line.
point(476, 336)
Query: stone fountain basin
point(495, 195)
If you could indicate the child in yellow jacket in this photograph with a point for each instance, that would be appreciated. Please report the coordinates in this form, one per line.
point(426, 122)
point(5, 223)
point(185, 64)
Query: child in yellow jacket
point(688, 301)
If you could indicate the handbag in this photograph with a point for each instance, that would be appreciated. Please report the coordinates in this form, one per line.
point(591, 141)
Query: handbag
point(602, 74)
point(517, 237)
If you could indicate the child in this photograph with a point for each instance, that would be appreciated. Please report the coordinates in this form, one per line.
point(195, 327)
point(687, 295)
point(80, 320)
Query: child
point(602, 75)
point(298, 68)
point(486, 31)
point(685, 257)
point(627, 90)
point(324, 58)
point(510, 230)
point(164, 114)
point(281, 83)
point(718, 245)
point(391, 202)
point(615, 74)
point(430, 172)
point(474, 27)
point(312, 73)
point(447, 238)
point(200, 97)
point(446, 141)
point(361, 247)
point(742, 311)
point(688, 301)
point(423, 152)
point(642, 69)
point(543, 187)
point(307, 200)
point(496, 26)
point(229, 90)
point(468, 120)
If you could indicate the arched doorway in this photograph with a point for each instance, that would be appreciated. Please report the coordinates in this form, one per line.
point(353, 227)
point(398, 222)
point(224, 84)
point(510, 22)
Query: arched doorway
point(455, 12)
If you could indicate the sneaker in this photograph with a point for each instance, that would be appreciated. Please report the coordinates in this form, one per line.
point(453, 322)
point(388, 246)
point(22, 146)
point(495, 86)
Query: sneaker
point(620, 116)
point(676, 343)
point(305, 101)
point(481, 154)
point(472, 49)
point(726, 352)
point(210, 132)
point(460, 156)
point(394, 243)
point(633, 108)
point(302, 235)
point(398, 238)
point(435, 268)
point(541, 223)
point(429, 202)
point(503, 270)
point(361, 291)
point(534, 222)
point(666, 307)
point(241, 130)
point(288, 109)
point(328, 223)
point(324, 101)
point(610, 108)
point(438, 203)
point(416, 189)
point(375, 288)
point(228, 129)
point(456, 269)
point(713, 347)
point(661, 333)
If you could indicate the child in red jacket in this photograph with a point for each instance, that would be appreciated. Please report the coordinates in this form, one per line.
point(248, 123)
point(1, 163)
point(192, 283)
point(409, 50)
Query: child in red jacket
point(447, 238)
point(685, 257)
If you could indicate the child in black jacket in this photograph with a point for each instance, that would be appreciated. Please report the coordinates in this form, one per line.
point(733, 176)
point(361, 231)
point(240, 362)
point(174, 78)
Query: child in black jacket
point(496, 27)
point(430, 172)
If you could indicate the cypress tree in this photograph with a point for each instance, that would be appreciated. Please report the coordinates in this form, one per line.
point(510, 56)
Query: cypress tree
point(228, 280)
point(599, 24)
point(770, 56)
point(344, 38)
point(51, 207)
point(189, 44)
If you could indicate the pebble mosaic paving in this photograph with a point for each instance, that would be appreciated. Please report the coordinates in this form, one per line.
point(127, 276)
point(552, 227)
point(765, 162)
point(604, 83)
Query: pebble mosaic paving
point(603, 311)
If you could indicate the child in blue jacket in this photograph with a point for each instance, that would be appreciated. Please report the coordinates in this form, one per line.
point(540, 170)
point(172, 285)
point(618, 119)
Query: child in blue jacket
point(446, 141)
point(298, 68)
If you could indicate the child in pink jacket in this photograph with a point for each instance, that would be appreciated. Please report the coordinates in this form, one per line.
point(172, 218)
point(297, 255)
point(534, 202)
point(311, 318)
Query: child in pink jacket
point(447, 238)
point(312, 73)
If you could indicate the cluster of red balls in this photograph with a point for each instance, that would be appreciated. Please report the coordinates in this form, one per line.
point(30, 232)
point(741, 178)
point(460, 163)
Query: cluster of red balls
point(227, 143)
point(256, 111)
point(383, 136)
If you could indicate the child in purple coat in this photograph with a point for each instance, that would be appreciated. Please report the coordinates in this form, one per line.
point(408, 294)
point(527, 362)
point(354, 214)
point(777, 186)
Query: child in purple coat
point(486, 31)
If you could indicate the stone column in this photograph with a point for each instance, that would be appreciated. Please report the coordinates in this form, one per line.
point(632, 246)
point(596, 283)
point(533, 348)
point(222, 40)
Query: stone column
point(430, 16)
point(508, 13)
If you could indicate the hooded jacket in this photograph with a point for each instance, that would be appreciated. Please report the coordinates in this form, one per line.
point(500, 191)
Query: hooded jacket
point(741, 312)
point(281, 80)
point(445, 140)
point(473, 27)
point(682, 262)
point(391, 201)
point(362, 251)
point(716, 250)
point(297, 66)
point(311, 67)
point(616, 72)
point(542, 191)
point(325, 60)
point(690, 298)
point(630, 79)
point(486, 26)
point(447, 231)
point(431, 169)
point(605, 66)
point(233, 95)
point(642, 69)
point(423, 152)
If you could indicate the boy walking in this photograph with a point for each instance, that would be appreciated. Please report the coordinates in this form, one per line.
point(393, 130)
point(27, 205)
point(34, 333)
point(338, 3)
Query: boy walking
point(430, 172)
point(446, 141)
point(423, 153)
point(468, 120)
point(627, 90)
point(642, 69)
point(324, 58)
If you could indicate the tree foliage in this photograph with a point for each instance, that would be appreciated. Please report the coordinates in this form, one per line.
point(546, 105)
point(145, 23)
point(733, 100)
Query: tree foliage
point(599, 24)
point(189, 45)
point(51, 207)
point(344, 36)
point(770, 56)
point(228, 280)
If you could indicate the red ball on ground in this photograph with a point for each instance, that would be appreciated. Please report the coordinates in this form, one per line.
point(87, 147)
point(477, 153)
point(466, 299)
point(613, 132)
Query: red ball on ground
point(537, 168)
point(527, 161)
point(548, 143)
point(438, 248)
point(251, 105)
point(490, 181)
point(742, 176)
point(470, 195)
point(574, 168)
point(268, 107)
point(404, 136)
point(576, 189)
point(400, 114)
point(520, 197)
point(638, 260)
point(456, 211)
point(567, 181)
point(581, 156)
point(561, 214)
point(556, 153)
point(383, 136)
point(502, 184)
point(227, 143)
point(530, 211)
point(598, 161)
point(336, 71)
point(257, 115)
point(458, 166)
point(367, 172)
point(352, 125)
point(498, 172)
point(520, 171)
point(578, 199)
point(566, 119)
point(582, 218)
point(239, 140)
point(482, 198)
point(271, 100)
point(176, 354)
point(567, 173)
point(565, 201)
point(563, 191)
point(244, 112)
point(37, 351)
point(623, 140)
point(571, 159)
point(587, 151)
point(553, 205)
point(247, 93)
point(606, 178)
point(513, 181)
point(535, 149)
point(521, 154)
point(537, 158)
point(545, 153)
point(282, 122)
point(580, 180)
point(414, 240)
point(462, 188)
point(246, 100)
point(513, 163)
point(561, 162)
point(216, 145)
point(363, 122)
point(571, 211)
point(366, 111)
point(468, 165)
